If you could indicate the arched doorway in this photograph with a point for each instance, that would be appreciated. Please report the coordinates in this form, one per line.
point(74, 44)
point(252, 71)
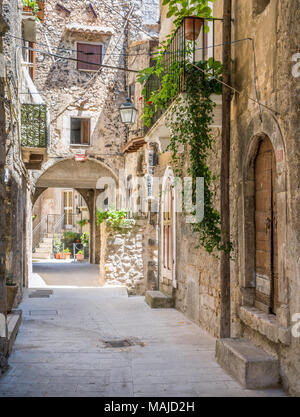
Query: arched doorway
point(168, 230)
point(61, 220)
point(82, 176)
point(266, 242)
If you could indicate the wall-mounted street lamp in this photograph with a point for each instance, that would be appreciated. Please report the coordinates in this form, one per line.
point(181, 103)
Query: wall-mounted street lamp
point(128, 112)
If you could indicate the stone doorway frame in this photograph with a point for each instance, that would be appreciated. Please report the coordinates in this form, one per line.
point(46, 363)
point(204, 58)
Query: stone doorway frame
point(276, 328)
point(168, 175)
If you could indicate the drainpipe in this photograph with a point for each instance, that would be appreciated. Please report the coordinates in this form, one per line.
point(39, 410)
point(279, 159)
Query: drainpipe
point(225, 171)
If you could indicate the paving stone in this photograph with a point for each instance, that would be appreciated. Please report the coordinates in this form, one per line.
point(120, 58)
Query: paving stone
point(66, 357)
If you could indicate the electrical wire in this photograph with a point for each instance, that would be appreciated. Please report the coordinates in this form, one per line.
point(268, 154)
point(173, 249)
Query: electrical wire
point(129, 55)
point(80, 60)
point(235, 90)
point(70, 50)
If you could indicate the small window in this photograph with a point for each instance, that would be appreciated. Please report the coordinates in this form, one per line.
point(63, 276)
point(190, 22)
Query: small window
point(91, 54)
point(80, 131)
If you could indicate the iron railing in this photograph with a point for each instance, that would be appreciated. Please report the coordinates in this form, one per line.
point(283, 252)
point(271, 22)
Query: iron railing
point(43, 229)
point(39, 233)
point(188, 45)
point(34, 128)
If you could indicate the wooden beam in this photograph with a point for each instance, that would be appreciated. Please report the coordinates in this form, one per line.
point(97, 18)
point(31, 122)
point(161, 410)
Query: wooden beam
point(225, 316)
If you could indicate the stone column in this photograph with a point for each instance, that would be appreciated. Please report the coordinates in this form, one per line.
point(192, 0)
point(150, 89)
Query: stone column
point(90, 197)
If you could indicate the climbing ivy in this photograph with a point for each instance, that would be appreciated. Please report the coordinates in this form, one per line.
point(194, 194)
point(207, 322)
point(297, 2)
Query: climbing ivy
point(190, 116)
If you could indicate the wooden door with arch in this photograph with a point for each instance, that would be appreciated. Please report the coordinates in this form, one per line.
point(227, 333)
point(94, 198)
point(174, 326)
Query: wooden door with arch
point(168, 241)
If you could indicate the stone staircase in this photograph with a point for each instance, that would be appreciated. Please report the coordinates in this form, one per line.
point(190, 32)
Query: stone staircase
point(45, 248)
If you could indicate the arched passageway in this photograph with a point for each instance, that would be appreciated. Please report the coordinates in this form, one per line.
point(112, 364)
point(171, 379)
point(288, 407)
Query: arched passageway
point(60, 222)
point(72, 178)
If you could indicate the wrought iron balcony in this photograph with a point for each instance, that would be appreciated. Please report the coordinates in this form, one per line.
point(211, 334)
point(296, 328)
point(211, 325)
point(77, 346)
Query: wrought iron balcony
point(34, 135)
point(191, 43)
point(34, 126)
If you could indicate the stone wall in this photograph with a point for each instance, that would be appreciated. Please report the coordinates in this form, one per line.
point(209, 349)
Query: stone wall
point(122, 257)
point(69, 92)
point(197, 292)
point(14, 179)
point(274, 28)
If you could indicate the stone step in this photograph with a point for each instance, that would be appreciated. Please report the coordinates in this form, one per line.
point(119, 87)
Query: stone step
point(42, 250)
point(250, 365)
point(14, 320)
point(44, 255)
point(47, 240)
point(156, 299)
point(46, 245)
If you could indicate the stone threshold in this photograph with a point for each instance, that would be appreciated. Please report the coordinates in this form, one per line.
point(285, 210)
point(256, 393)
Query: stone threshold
point(156, 299)
point(265, 324)
point(249, 365)
point(14, 320)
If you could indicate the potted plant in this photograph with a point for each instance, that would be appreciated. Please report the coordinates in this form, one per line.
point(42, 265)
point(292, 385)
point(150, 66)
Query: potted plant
point(192, 27)
point(80, 255)
point(58, 249)
point(83, 222)
point(11, 292)
point(30, 6)
point(67, 254)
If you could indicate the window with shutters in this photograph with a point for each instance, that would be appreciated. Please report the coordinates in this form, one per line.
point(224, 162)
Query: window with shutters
point(91, 54)
point(80, 131)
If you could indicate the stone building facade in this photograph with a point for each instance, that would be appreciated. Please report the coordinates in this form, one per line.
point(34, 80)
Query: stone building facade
point(15, 184)
point(83, 100)
point(273, 26)
point(264, 192)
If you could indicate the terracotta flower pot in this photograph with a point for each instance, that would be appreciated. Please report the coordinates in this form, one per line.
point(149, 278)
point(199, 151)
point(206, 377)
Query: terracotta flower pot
point(58, 256)
point(27, 9)
point(67, 256)
point(80, 257)
point(11, 292)
point(192, 27)
point(41, 12)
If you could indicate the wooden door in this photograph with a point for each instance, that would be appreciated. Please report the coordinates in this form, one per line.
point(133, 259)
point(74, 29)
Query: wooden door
point(168, 255)
point(68, 208)
point(266, 229)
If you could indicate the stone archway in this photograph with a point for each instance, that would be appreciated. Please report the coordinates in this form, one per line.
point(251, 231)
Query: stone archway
point(83, 177)
point(257, 131)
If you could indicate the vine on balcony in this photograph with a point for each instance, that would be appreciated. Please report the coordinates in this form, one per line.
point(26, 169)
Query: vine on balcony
point(189, 119)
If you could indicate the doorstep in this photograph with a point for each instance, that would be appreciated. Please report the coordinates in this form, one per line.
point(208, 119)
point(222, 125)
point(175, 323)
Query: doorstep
point(14, 320)
point(250, 365)
point(156, 299)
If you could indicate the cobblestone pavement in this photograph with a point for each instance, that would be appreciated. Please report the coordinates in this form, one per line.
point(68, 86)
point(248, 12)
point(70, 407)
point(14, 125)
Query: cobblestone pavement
point(61, 351)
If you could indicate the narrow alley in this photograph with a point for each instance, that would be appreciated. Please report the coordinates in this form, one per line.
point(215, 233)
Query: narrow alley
point(63, 349)
point(149, 199)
